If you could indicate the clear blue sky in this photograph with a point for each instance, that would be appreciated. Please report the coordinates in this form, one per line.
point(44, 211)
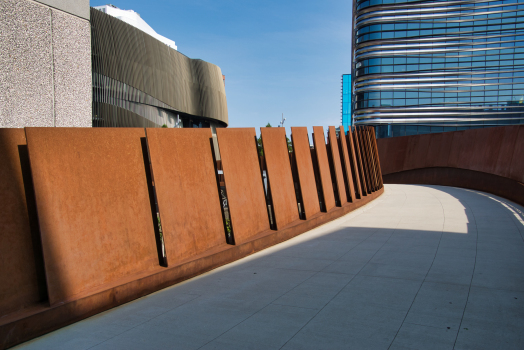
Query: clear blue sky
point(278, 56)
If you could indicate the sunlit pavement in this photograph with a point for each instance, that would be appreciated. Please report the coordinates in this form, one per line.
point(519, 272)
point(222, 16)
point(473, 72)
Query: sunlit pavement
point(421, 267)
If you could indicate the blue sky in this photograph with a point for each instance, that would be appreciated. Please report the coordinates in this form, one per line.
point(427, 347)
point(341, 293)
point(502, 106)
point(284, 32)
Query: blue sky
point(277, 56)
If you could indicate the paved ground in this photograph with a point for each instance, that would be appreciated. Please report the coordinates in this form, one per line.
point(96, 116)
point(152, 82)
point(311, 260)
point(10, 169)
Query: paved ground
point(422, 267)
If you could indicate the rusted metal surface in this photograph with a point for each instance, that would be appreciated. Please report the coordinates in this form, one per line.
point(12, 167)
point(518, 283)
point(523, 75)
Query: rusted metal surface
point(497, 151)
point(346, 165)
point(247, 203)
point(365, 159)
point(96, 207)
point(25, 326)
point(306, 175)
point(323, 167)
point(360, 163)
point(93, 208)
point(369, 135)
point(279, 174)
point(375, 150)
point(354, 164)
point(22, 279)
point(337, 165)
point(187, 192)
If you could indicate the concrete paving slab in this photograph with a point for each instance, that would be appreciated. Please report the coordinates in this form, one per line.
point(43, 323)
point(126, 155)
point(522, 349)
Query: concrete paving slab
point(421, 267)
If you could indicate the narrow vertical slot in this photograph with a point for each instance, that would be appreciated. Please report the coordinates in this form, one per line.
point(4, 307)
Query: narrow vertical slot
point(155, 211)
point(320, 191)
point(34, 226)
point(222, 194)
point(344, 166)
point(333, 174)
point(265, 183)
point(296, 181)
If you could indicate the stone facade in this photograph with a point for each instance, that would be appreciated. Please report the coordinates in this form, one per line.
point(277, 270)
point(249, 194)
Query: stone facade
point(45, 66)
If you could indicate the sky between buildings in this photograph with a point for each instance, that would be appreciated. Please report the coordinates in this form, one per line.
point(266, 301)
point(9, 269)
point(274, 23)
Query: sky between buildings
point(278, 56)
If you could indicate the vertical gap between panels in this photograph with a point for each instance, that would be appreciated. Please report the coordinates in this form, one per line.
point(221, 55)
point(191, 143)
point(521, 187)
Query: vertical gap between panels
point(320, 191)
point(265, 183)
point(222, 193)
point(296, 182)
point(344, 165)
point(34, 226)
point(331, 162)
point(155, 211)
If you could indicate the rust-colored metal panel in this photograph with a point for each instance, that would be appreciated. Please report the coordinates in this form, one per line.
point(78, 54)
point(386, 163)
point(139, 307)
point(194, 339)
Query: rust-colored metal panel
point(354, 163)
point(517, 163)
point(337, 165)
point(392, 153)
point(361, 173)
point(492, 138)
point(279, 175)
point(438, 149)
point(360, 138)
point(245, 191)
point(346, 164)
point(417, 151)
point(93, 207)
point(468, 156)
point(507, 149)
point(367, 158)
point(323, 167)
point(374, 139)
point(22, 279)
point(187, 193)
point(455, 150)
point(306, 173)
point(371, 156)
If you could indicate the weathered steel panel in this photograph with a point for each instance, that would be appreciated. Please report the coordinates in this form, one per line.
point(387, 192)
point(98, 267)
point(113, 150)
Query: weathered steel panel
point(306, 173)
point(245, 191)
point(21, 266)
point(279, 175)
point(323, 167)
point(517, 162)
point(361, 169)
point(346, 164)
point(337, 165)
point(187, 192)
point(354, 163)
point(93, 208)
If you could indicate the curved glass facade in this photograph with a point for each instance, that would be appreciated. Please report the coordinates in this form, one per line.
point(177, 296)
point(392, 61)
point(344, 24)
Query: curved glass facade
point(433, 66)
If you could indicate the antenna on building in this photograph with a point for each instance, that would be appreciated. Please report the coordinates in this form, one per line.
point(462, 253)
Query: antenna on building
point(282, 121)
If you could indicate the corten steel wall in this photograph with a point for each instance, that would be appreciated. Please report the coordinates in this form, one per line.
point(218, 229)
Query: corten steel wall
point(97, 177)
point(306, 176)
point(245, 192)
point(78, 227)
point(279, 175)
point(337, 164)
point(323, 167)
point(354, 164)
point(21, 273)
point(184, 176)
point(346, 164)
point(130, 56)
point(489, 159)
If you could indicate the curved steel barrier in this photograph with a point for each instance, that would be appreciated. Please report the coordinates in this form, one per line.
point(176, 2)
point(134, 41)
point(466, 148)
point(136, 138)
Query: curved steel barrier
point(94, 218)
point(489, 159)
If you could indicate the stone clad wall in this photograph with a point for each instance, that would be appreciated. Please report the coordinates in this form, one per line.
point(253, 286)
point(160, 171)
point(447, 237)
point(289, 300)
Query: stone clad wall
point(45, 70)
point(95, 217)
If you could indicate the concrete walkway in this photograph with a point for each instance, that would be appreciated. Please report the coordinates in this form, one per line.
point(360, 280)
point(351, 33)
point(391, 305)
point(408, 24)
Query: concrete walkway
point(422, 267)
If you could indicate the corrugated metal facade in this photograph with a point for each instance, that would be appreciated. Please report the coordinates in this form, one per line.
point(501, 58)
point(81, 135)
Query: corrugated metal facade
point(129, 56)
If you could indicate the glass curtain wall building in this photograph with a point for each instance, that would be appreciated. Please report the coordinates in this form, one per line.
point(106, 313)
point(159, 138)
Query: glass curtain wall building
point(434, 66)
point(347, 120)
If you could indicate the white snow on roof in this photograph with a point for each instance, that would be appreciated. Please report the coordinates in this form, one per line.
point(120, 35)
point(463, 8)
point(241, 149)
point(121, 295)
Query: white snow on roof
point(134, 19)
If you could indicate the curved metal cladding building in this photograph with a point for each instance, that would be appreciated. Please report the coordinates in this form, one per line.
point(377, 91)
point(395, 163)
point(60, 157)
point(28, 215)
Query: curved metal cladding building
point(138, 81)
point(433, 66)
